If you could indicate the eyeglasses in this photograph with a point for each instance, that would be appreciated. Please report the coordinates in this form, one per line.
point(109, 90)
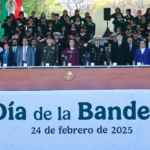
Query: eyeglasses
point(142, 43)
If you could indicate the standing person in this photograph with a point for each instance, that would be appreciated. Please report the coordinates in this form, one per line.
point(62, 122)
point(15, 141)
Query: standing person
point(97, 52)
point(142, 54)
point(72, 54)
point(63, 17)
point(73, 18)
point(14, 48)
point(132, 48)
point(7, 56)
point(108, 54)
point(37, 52)
point(120, 51)
point(2, 43)
point(25, 54)
point(50, 52)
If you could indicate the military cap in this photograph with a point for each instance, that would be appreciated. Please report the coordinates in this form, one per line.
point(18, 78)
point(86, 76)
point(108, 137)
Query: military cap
point(77, 35)
point(134, 32)
point(56, 34)
point(49, 36)
point(96, 37)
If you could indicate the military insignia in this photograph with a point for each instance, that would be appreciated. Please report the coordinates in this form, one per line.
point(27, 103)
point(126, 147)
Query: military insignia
point(59, 44)
point(53, 47)
point(144, 39)
point(128, 20)
point(45, 47)
point(44, 51)
point(101, 49)
point(68, 75)
point(85, 44)
point(106, 41)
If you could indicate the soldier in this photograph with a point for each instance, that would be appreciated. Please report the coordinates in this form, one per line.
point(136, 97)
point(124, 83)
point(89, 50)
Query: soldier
point(49, 52)
point(97, 52)
point(109, 40)
point(136, 41)
point(60, 45)
point(81, 46)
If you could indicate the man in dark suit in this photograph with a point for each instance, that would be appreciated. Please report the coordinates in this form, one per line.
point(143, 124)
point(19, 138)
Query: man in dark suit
point(14, 48)
point(120, 51)
point(2, 43)
point(37, 52)
point(60, 46)
point(132, 48)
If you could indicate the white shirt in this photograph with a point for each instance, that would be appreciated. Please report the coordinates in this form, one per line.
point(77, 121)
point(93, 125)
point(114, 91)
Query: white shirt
point(97, 46)
point(72, 49)
point(148, 44)
point(119, 43)
point(82, 34)
point(13, 48)
point(34, 48)
point(1, 49)
point(23, 52)
point(142, 50)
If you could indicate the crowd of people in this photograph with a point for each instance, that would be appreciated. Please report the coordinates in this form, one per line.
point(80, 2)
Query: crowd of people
point(63, 40)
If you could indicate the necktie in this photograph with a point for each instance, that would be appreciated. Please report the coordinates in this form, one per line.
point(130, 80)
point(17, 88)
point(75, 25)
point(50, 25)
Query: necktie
point(14, 49)
point(130, 48)
point(34, 49)
point(25, 53)
point(119, 45)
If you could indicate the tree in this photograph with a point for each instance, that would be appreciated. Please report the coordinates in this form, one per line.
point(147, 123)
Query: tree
point(46, 6)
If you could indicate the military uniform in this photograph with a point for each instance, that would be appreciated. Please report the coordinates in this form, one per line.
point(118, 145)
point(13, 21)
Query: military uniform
point(90, 27)
point(50, 54)
point(57, 25)
point(136, 41)
point(80, 45)
point(97, 55)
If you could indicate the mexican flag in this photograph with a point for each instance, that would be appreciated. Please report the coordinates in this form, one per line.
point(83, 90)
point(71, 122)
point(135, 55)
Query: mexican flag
point(8, 7)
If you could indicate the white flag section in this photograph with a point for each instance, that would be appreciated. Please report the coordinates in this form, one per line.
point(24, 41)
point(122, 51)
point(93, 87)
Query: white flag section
point(75, 120)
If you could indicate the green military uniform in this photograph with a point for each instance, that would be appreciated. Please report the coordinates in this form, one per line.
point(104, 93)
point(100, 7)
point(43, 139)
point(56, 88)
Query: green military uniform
point(57, 25)
point(33, 25)
point(90, 27)
point(78, 25)
point(50, 54)
point(128, 18)
point(7, 28)
point(81, 45)
point(136, 41)
point(117, 23)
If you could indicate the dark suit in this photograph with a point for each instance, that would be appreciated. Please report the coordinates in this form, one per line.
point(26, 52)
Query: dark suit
point(60, 49)
point(120, 55)
point(12, 49)
point(97, 55)
point(10, 60)
point(38, 57)
point(132, 53)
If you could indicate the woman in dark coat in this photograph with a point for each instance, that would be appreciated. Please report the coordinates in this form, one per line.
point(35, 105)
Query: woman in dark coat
point(7, 56)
